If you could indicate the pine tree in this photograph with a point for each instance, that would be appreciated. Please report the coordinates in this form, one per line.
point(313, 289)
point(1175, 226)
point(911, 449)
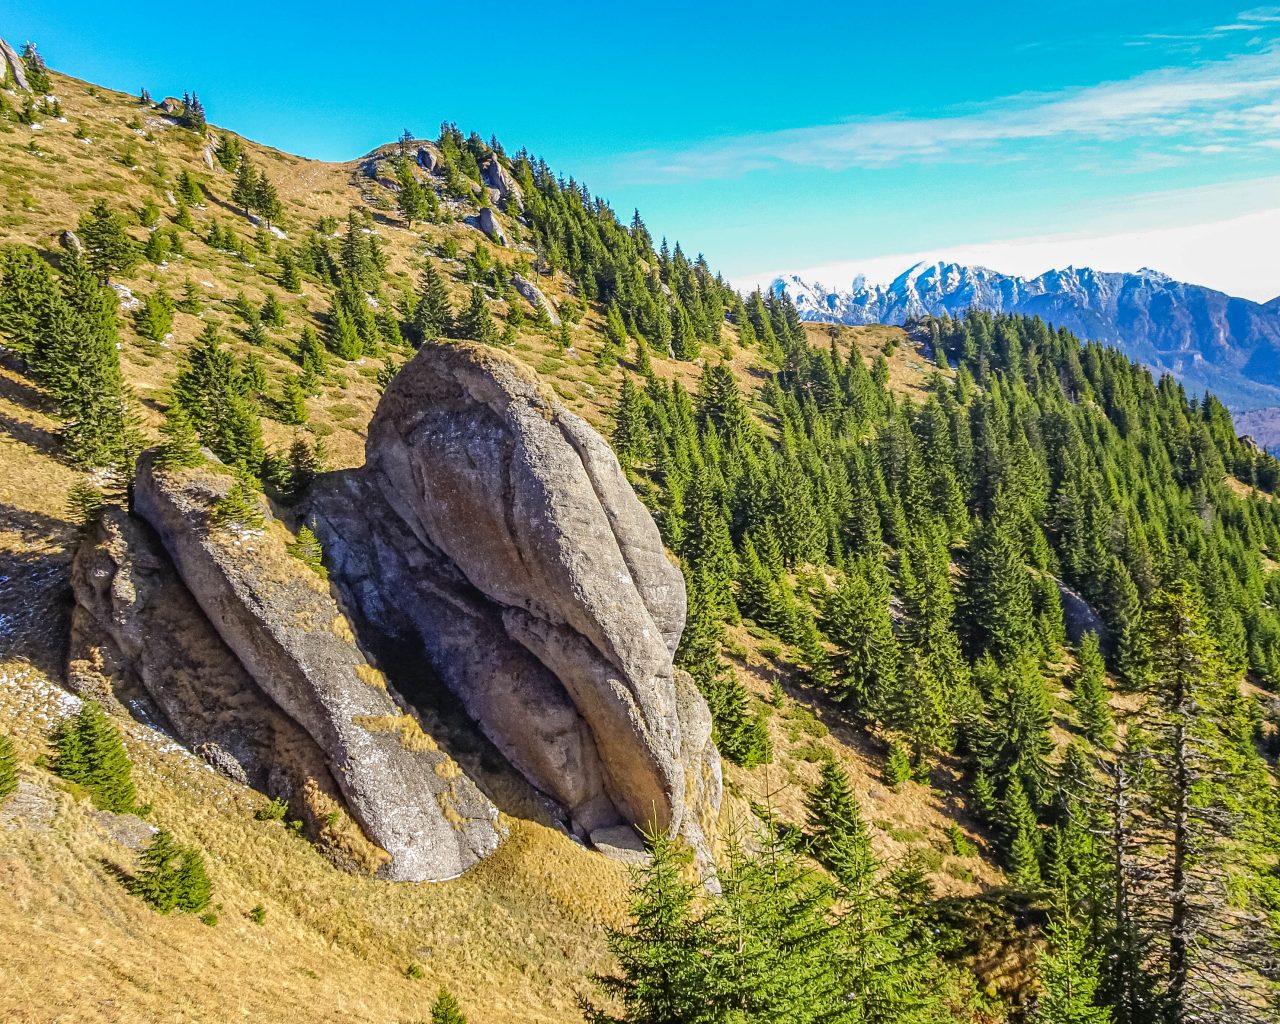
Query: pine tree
point(159, 879)
point(36, 71)
point(8, 769)
point(213, 392)
point(245, 190)
point(1068, 973)
point(632, 439)
point(475, 322)
point(108, 773)
point(239, 509)
point(181, 447)
point(857, 621)
point(306, 548)
point(997, 592)
point(293, 402)
point(433, 314)
point(833, 818)
point(107, 246)
point(1089, 682)
point(446, 1010)
point(272, 311)
point(189, 190)
point(661, 977)
point(290, 275)
point(411, 198)
point(154, 318)
point(266, 200)
point(194, 889)
point(1199, 823)
point(897, 768)
point(342, 337)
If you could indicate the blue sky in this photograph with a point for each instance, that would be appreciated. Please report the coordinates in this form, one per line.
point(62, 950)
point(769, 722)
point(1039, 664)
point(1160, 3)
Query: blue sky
point(841, 137)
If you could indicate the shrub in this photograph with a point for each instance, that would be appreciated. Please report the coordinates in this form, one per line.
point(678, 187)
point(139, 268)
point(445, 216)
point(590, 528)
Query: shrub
point(414, 972)
point(275, 810)
point(258, 914)
point(8, 769)
point(308, 551)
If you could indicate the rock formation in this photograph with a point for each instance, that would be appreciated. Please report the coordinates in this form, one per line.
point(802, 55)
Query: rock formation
point(501, 184)
point(534, 294)
point(496, 530)
point(492, 544)
point(136, 630)
point(290, 635)
point(15, 67)
point(489, 225)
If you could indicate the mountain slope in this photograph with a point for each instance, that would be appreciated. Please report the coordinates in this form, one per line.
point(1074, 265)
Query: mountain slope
point(520, 934)
point(1208, 340)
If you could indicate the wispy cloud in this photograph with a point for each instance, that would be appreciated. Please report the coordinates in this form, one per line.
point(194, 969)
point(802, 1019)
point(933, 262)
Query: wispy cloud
point(1232, 103)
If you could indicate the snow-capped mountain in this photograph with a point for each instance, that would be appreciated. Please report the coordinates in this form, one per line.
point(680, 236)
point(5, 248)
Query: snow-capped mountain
point(1208, 340)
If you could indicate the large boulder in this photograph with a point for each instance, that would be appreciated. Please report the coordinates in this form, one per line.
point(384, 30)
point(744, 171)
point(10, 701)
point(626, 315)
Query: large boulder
point(488, 223)
point(512, 507)
point(499, 180)
point(288, 632)
point(535, 297)
point(13, 64)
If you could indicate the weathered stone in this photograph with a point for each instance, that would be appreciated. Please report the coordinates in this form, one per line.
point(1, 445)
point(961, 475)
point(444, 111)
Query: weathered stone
point(499, 179)
point(70, 241)
point(488, 223)
point(534, 295)
point(414, 601)
point(427, 159)
point(621, 842)
point(525, 506)
point(287, 631)
point(15, 67)
point(1078, 618)
point(135, 622)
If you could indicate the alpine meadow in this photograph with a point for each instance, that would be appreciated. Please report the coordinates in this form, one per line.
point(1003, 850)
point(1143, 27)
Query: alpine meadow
point(429, 594)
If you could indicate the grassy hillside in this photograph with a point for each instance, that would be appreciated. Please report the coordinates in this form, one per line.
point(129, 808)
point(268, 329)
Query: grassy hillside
point(514, 938)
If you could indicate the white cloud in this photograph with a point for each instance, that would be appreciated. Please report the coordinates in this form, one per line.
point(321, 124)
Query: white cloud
point(1239, 255)
point(1224, 102)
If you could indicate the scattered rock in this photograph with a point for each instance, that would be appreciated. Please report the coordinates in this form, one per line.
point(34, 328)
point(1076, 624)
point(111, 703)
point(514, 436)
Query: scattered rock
point(490, 226)
point(70, 241)
point(289, 634)
point(428, 159)
point(128, 301)
point(534, 294)
point(30, 806)
point(15, 66)
point(621, 843)
point(126, 829)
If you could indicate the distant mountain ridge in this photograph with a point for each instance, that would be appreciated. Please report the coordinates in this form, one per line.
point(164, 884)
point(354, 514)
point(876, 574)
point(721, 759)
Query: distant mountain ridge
point(1205, 338)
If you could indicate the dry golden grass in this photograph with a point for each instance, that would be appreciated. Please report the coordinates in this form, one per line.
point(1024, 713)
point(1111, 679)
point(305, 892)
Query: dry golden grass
point(514, 938)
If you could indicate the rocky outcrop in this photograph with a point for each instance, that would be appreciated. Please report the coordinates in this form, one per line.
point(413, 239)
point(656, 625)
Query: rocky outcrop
point(510, 546)
point(534, 295)
point(428, 159)
point(1078, 616)
point(14, 66)
point(488, 223)
point(287, 631)
point(501, 184)
point(137, 632)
